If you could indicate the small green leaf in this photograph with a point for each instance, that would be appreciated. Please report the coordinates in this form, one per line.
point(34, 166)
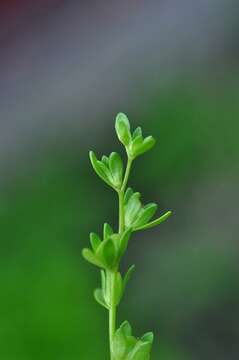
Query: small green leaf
point(107, 231)
point(116, 168)
point(124, 239)
point(126, 328)
point(116, 240)
point(105, 160)
point(129, 192)
point(155, 222)
point(122, 127)
point(91, 257)
point(148, 337)
point(141, 351)
point(106, 252)
point(101, 169)
point(128, 275)
point(119, 345)
point(106, 171)
point(99, 297)
point(132, 209)
point(148, 143)
point(137, 132)
point(136, 145)
point(95, 241)
point(146, 213)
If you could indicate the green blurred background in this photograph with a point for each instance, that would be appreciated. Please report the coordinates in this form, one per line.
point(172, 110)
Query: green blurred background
point(67, 68)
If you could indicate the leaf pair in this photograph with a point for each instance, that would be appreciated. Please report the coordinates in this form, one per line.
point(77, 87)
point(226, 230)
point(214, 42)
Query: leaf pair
point(103, 295)
point(135, 143)
point(107, 253)
point(138, 216)
point(126, 347)
point(109, 169)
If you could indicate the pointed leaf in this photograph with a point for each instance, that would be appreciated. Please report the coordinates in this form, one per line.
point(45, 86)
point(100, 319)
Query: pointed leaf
point(146, 213)
point(116, 168)
point(91, 257)
point(148, 143)
point(95, 241)
point(141, 351)
point(105, 160)
point(100, 169)
point(107, 231)
point(137, 132)
point(106, 252)
point(128, 275)
point(124, 239)
point(129, 192)
point(119, 346)
point(136, 145)
point(122, 127)
point(126, 328)
point(155, 222)
point(132, 209)
point(105, 170)
point(116, 240)
point(99, 297)
point(148, 337)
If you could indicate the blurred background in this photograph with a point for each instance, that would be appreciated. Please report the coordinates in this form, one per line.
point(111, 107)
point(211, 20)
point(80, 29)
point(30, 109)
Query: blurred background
point(66, 69)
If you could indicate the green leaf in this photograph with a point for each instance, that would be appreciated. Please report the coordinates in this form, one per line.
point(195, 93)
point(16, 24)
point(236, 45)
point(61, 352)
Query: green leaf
point(132, 209)
point(148, 337)
point(107, 231)
point(105, 160)
point(122, 127)
point(148, 143)
point(137, 132)
point(101, 169)
point(124, 239)
point(116, 168)
point(106, 171)
point(128, 275)
point(99, 297)
point(141, 351)
point(119, 346)
point(91, 257)
point(129, 192)
point(95, 241)
point(136, 145)
point(106, 252)
point(155, 222)
point(126, 328)
point(146, 213)
point(123, 341)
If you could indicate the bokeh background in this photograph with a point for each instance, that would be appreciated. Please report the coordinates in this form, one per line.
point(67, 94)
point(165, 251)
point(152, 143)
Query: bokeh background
point(66, 69)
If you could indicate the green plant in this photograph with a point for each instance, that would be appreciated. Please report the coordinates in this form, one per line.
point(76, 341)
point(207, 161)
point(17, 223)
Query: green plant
point(106, 253)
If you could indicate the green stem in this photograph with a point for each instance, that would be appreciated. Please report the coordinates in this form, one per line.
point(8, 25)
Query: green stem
point(112, 313)
point(126, 176)
point(121, 212)
point(113, 306)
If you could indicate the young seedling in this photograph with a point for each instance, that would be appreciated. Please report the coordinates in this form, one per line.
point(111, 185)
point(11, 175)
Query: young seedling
point(106, 252)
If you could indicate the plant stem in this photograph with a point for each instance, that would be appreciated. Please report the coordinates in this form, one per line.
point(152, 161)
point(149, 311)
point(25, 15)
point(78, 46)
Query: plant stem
point(112, 312)
point(113, 307)
point(126, 176)
point(121, 212)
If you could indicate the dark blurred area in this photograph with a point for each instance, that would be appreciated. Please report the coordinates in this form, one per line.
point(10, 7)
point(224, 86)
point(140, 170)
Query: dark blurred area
point(66, 69)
